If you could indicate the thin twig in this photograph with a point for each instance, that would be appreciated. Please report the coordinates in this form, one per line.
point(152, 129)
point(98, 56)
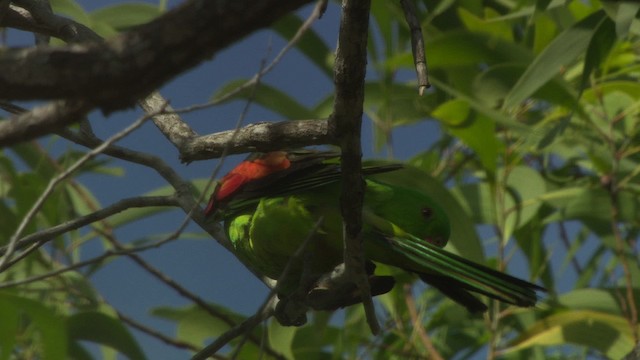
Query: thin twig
point(48, 234)
point(316, 13)
point(417, 325)
point(564, 237)
point(417, 45)
point(80, 264)
point(610, 183)
point(180, 289)
point(156, 334)
point(56, 180)
point(242, 328)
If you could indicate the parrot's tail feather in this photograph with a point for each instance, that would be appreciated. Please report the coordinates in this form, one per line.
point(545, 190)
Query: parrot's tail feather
point(465, 273)
point(456, 291)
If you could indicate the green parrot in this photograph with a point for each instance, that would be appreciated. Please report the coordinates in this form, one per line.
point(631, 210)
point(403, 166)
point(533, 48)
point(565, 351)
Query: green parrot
point(273, 202)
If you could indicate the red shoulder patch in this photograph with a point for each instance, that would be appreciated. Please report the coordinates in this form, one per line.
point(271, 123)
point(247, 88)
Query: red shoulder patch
point(244, 173)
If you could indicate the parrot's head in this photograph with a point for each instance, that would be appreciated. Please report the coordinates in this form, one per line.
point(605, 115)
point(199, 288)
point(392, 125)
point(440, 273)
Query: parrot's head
point(255, 167)
point(414, 212)
point(436, 228)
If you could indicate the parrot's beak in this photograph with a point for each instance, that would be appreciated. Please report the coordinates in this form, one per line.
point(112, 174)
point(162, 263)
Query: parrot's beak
point(437, 241)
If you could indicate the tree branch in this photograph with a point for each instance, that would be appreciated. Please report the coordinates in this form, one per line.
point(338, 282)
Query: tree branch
point(129, 66)
point(55, 181)
point(417, 45)
point(350, 70)
point(126, 67)
point(261, 136)
point(122, 205)
point(42, 120)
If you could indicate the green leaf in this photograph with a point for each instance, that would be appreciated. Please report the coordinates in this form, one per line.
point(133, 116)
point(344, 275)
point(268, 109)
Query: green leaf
point(123, 16)
point(593, 207)
point(44, 320)
point(609, 334)
point(602, 41)
point(541, 5)
point(103, 329)
point(560, 53)
point(9, 327)
point(398, 104)
point(72, 9)
point(477, 132)
point(623, 13)
point(312, 342)
point(498, 29)
point(526, 186)
point(494, 84)
point(195, 325)
point(453, 50)
point(521, 199)
point(497, 116)
point(601, 300)
point(281, 338)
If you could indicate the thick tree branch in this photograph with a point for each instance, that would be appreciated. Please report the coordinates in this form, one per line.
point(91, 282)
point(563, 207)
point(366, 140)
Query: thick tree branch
point(170, 124)
point(261, 136)
point(112, 75)
point(115, 73)
point(350, 70)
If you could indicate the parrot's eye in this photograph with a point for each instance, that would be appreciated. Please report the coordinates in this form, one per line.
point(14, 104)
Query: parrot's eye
point(426, 213)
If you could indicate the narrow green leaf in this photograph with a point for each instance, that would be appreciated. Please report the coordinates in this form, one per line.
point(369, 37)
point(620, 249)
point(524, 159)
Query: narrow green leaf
point(281, 338)
point(123, 16)
point(196, 325)
point(609, 334)
point(398, 103)
point(72, 9)
point(499, 29)
point(602, 41)
point(479, 106)
point(9, 326)
point(494, 84)
point(44, 320)
point(456, 49)
point(541, 5)
point(560, 53)
point(525, 185)
point(477, 132)
point(623, 13)
point(100, 328)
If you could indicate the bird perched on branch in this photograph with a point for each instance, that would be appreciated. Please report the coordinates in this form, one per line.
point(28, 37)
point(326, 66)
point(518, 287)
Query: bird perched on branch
point(273, 202)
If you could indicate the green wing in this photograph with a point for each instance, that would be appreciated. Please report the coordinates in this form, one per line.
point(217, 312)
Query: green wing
point(453, 275)
point(299, 178)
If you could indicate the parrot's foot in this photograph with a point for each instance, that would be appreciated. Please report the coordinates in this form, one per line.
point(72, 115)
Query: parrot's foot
point(334, 290)
point(291, 312)
point(330, 292)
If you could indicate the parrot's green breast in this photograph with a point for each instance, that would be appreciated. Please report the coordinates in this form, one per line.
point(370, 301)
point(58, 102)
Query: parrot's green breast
point(269, 237)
